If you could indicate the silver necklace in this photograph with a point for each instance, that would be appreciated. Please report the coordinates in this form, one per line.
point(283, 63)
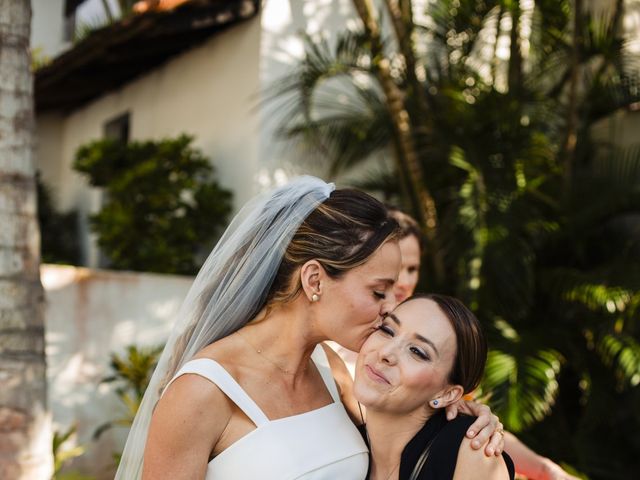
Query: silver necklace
point(272, 362)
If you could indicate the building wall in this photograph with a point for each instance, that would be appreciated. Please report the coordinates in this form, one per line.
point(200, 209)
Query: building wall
point(89, 315)
point(47, 27)
point(209, 92)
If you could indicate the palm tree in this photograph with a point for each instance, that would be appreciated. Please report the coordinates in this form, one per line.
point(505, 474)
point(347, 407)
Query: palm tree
point(536, 220)
point(25, 433)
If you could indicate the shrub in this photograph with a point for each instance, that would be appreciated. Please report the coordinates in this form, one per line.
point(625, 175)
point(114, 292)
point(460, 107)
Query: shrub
point(163, 206)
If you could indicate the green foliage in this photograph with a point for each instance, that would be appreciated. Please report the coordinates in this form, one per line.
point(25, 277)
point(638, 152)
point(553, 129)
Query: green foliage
point(163, 207)
point(62, 455)
point(539, 221)
point(59, 239)
point(131, 373)
point(39, 59)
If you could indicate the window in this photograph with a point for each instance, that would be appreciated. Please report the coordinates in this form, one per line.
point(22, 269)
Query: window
point(118, 128)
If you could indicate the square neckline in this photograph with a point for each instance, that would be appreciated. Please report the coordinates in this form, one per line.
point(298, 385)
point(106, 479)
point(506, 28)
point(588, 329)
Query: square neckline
point(217, 374)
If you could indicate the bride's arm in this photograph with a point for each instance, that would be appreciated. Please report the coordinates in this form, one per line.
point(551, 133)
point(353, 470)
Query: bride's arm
point(187, 422)
point(345, 384)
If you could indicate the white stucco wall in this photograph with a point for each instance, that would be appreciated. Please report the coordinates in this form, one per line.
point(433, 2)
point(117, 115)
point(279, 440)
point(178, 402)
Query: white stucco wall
point(47, 27)
point(89, 315)
point(48, 23)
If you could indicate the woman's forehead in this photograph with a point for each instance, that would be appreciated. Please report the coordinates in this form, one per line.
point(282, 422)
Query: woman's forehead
point(420, 313)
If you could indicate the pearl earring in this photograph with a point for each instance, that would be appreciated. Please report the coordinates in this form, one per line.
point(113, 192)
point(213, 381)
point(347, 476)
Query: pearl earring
point(315, 297)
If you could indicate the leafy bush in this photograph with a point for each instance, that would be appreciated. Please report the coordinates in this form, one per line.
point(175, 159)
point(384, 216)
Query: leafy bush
point(162, 207)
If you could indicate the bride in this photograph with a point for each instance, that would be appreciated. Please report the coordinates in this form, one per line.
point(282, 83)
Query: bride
point(244, 388)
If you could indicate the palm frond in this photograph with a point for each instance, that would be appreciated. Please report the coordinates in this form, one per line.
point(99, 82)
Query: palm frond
point(622, 353)
point(589, 290)
point(523, 387)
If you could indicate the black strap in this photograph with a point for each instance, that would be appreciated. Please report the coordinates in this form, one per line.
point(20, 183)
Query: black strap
point(422, 459)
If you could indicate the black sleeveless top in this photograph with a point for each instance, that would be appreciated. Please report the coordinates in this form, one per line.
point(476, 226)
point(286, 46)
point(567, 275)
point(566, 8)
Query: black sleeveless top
point(445, 437)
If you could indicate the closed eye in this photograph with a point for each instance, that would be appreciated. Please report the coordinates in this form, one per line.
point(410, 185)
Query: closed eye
point(379, 295)
point(386, 330)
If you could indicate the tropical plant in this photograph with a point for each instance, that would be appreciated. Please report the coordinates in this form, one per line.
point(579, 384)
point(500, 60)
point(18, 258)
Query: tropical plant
point(163, 205)
point(62, 455)
point(131, 374)
point(535, 218)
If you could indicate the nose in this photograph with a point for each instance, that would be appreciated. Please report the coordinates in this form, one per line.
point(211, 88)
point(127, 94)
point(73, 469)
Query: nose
point(388, 304)
point(387, 354)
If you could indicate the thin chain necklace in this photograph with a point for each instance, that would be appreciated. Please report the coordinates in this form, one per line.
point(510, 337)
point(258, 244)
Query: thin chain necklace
point(263, 355)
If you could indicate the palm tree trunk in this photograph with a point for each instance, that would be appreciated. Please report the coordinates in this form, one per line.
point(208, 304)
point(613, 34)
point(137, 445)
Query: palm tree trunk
point(407, 157)
point(571, 135)
point(401, 13)
point(515, 52)
point(25, 433)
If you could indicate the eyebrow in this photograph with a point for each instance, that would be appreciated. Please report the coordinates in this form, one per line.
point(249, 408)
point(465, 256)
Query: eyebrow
point(388, 281)
point(393, 317)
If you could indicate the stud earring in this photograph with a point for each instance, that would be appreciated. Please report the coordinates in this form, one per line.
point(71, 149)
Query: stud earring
point(315, 297)
point(435, 403)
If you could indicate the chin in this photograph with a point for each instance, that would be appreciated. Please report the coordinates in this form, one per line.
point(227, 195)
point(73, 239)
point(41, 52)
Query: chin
point(365, 398)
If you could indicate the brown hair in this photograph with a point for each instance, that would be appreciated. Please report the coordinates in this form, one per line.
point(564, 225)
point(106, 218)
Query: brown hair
point(471, 344)
point(342, 233)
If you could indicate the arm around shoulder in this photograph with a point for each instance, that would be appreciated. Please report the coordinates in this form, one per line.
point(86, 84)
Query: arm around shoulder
point(344, 381)
point(473, 464)
point(187, 423)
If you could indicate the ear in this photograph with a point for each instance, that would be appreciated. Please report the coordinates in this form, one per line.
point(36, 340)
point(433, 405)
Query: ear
point(311, 276)
point(446, 397)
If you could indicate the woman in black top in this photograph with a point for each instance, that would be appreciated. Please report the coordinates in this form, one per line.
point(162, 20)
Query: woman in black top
point(424, 356)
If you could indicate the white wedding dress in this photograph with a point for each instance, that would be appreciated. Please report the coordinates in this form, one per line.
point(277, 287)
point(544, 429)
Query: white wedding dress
point(322, 444)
